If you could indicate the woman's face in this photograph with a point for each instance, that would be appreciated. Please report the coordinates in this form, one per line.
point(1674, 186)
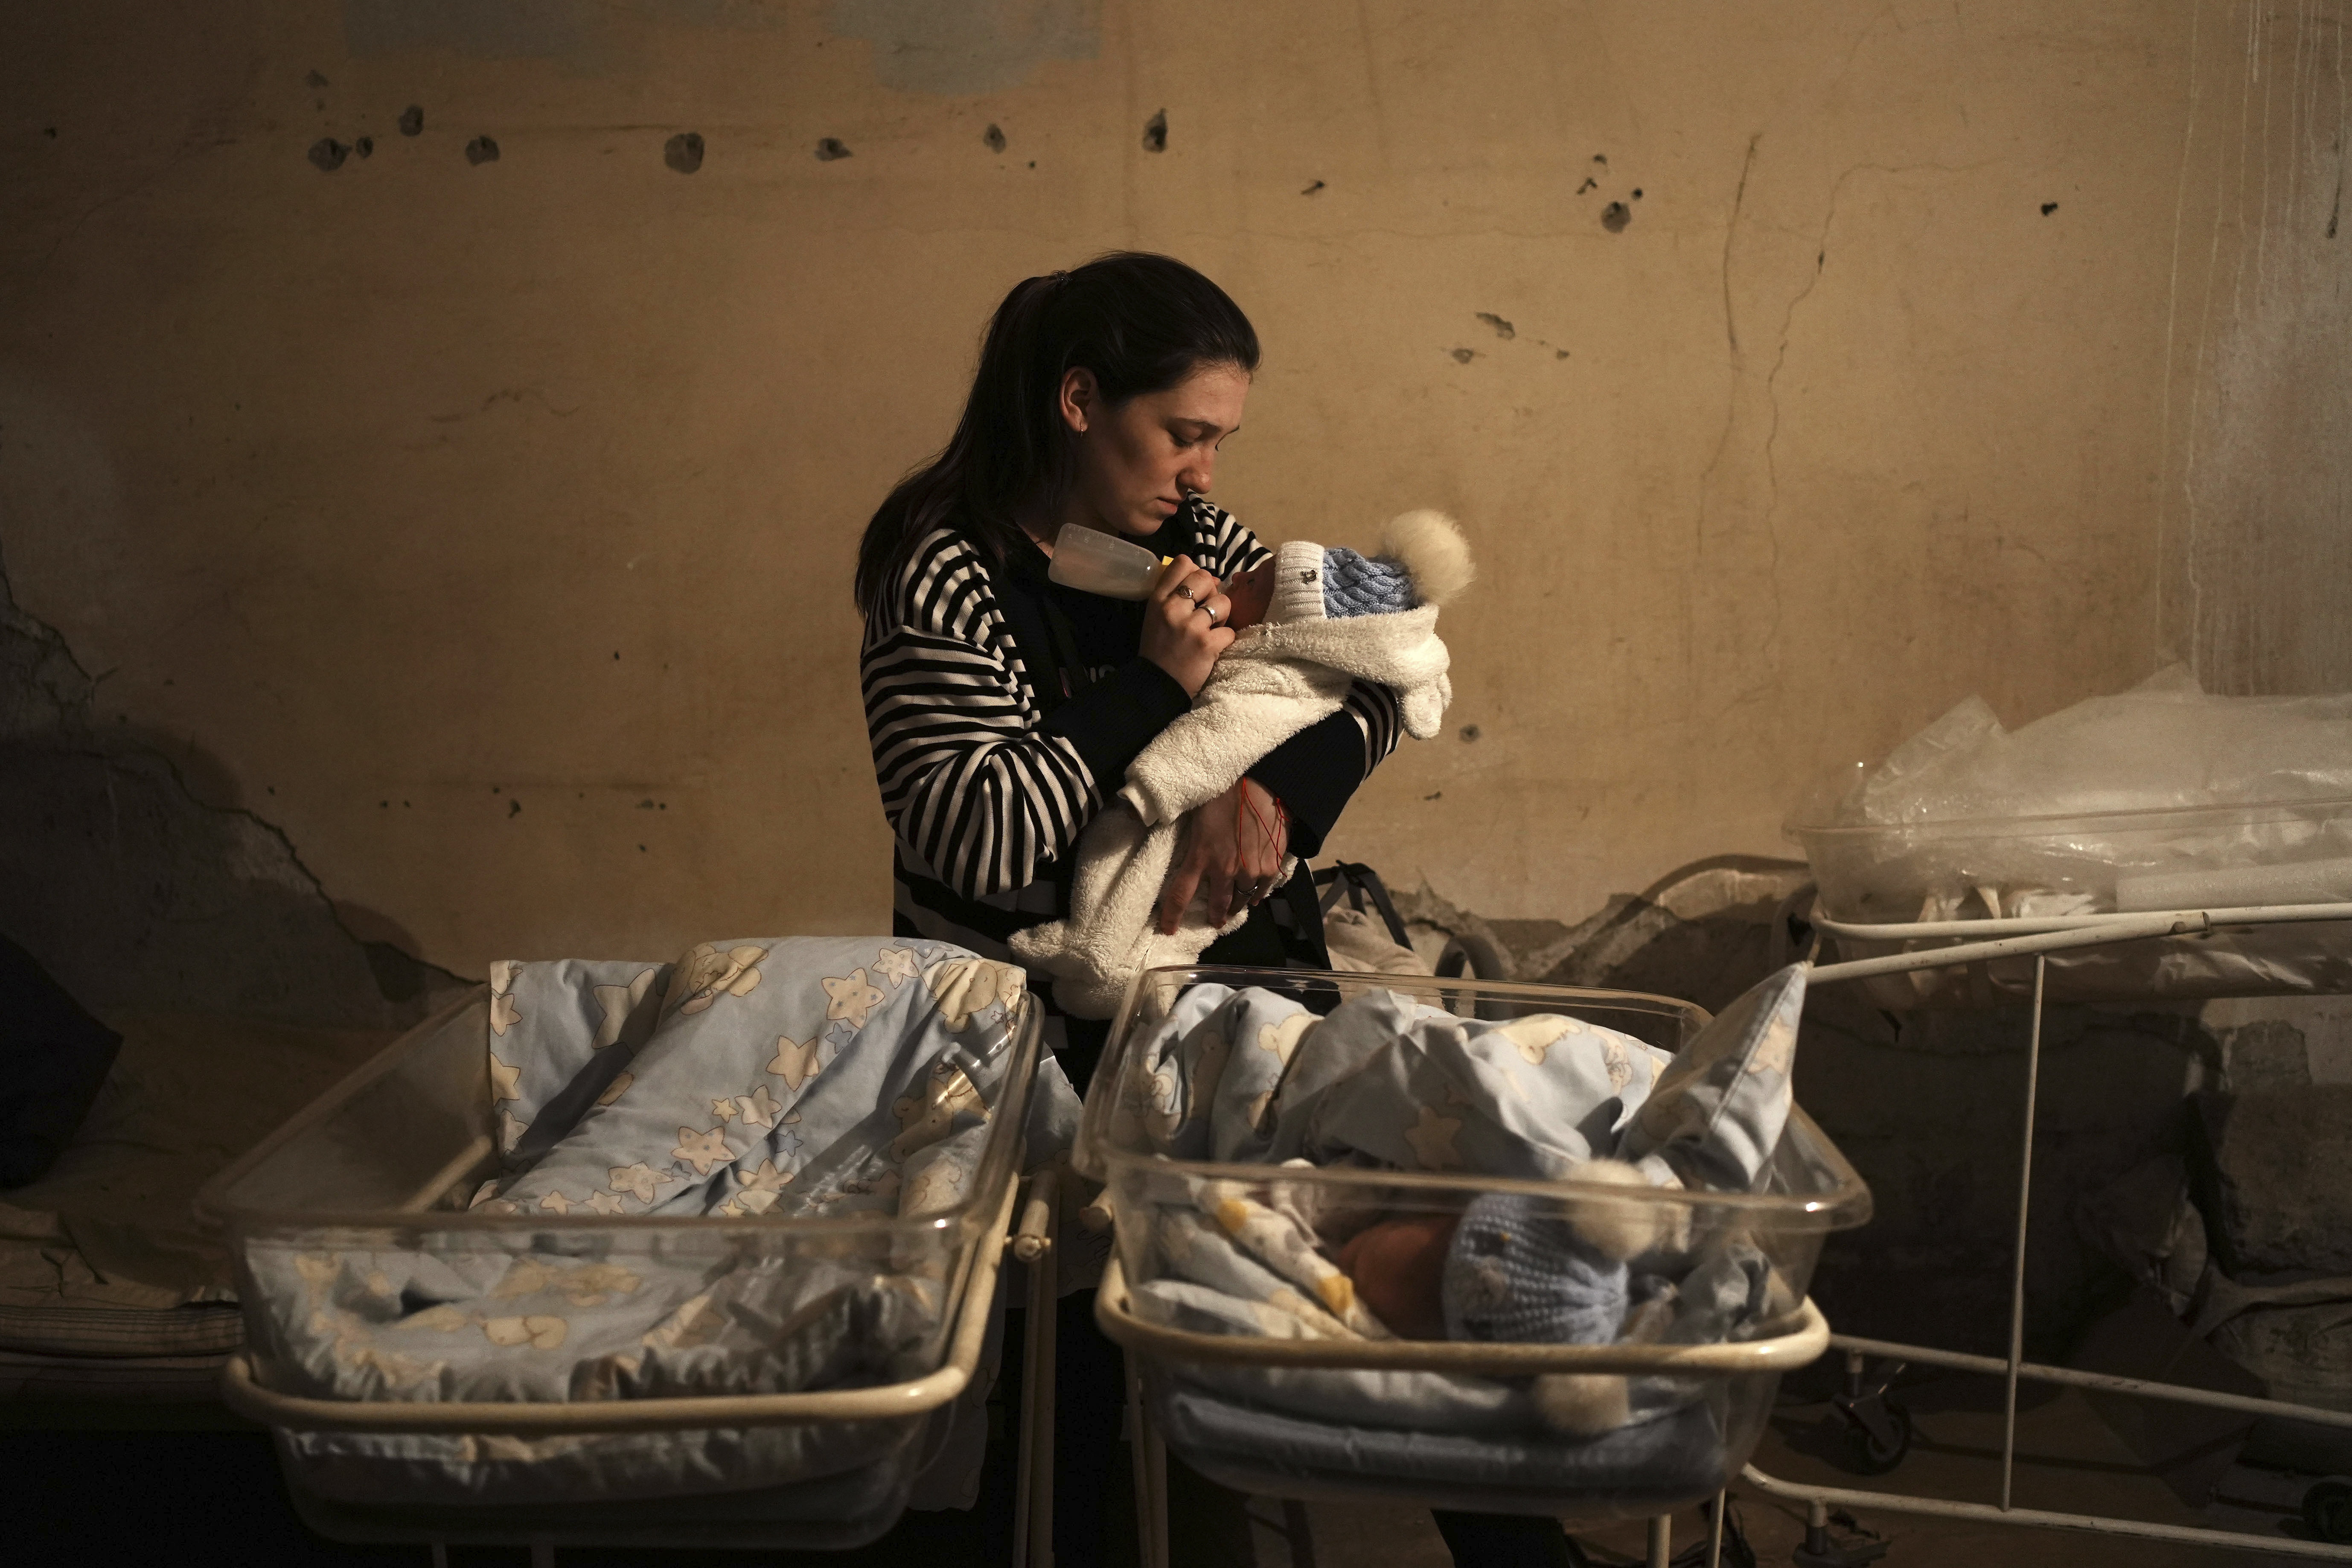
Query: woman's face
point(1139, 459)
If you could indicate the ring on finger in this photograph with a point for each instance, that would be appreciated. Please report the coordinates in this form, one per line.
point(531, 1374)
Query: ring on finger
point(1185, 593)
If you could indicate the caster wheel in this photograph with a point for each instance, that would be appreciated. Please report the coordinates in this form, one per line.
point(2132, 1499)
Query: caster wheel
point(2327, 1509)
point(1874, 1448)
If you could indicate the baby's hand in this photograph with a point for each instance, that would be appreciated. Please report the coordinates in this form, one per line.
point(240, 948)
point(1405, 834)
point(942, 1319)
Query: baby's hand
point(1252, 592)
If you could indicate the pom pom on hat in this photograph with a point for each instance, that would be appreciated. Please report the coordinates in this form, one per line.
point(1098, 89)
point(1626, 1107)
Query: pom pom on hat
point(1582, 1404)
point(1626, 1227)
point(1424, 560)
point(1430, 547)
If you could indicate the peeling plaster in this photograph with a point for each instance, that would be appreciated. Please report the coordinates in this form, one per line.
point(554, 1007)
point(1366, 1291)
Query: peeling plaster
point(1720, 551)
point(485, 29)
point(975, 47)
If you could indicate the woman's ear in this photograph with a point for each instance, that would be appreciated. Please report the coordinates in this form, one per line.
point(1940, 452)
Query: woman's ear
point(1078, 398)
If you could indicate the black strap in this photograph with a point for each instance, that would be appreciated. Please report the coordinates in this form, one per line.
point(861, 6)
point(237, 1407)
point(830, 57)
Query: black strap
point(1076, 675)
point(1299, 920)
point(1357, 882)
point(1042, 635)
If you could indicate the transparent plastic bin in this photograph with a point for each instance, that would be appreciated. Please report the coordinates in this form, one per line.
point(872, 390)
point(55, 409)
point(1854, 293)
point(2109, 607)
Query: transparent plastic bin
point(1245, 1410)
point(385, 1163)
point(1884, 876)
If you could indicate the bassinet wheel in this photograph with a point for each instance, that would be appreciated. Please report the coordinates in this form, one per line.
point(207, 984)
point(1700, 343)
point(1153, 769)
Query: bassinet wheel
point(2327, 1509)
point(1877, 1440)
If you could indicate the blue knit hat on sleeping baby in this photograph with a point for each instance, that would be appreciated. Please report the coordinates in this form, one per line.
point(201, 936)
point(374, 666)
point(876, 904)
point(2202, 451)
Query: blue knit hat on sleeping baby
point(1356, 585)
point(1422, 561)
point(1520, 1270)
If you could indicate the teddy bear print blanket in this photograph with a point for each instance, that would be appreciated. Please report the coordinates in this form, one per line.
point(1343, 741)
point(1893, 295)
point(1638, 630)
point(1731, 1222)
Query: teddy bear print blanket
point(750, 1079)
point(1384, 1082)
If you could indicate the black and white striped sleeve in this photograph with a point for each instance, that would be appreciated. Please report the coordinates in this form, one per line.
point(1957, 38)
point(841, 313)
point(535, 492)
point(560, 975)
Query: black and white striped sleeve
point(978, 787)
point(1223, 545)
point(1380, 714)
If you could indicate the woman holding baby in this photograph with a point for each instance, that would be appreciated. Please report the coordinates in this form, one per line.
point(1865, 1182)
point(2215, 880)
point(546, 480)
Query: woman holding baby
point(1005, 708)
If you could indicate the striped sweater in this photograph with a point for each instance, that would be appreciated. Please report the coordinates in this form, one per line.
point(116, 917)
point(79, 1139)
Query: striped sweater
point(1003, 712)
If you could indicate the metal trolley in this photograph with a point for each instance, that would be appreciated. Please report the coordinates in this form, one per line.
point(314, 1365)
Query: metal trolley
point(2036, 939)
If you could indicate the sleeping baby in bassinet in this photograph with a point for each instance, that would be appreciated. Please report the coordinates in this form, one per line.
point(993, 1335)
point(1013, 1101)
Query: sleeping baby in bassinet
point(1310, 622)
point(1387, 1084)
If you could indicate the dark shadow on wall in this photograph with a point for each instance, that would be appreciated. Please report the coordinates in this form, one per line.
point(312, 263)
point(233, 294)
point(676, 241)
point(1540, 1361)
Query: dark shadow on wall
point(133, 892)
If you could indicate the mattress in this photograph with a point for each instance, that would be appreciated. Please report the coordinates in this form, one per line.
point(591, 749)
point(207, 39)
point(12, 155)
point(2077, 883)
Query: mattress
point(107, 1289)
point(1654, 1465)
point(130, 1380)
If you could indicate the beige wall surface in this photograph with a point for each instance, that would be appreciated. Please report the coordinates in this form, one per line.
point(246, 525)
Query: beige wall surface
point(486, 524)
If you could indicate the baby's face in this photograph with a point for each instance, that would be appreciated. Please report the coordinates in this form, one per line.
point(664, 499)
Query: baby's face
point(1251, 593)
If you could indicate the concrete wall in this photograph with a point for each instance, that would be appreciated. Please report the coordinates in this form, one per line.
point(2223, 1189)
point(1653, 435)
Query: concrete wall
point(485, 524)
point(2257, 507)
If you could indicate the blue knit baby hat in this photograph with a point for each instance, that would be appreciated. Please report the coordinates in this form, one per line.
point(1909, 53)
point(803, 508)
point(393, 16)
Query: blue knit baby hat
point(1356, 585)
point(1515, 1272)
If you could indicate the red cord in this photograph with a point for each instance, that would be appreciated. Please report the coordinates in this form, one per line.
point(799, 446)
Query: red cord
point(1242, 801)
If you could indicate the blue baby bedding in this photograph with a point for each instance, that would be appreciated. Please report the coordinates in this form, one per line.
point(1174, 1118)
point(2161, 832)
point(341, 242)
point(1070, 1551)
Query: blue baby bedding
point(1385, 1082)
point(754, 1080)
point(1643, 1466)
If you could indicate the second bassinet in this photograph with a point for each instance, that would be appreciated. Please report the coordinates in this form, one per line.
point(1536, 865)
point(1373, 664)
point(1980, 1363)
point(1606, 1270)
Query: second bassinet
point(1486, 1246)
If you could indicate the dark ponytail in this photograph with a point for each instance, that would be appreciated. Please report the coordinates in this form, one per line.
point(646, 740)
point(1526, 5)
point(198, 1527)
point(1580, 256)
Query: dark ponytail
point(1140, 323)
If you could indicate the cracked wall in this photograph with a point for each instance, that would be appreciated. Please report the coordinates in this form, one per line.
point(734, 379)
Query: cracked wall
point(430, 460)
point(134, 893)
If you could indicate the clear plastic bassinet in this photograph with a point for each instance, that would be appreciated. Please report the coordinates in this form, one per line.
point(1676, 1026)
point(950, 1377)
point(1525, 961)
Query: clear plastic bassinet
point(1408, 1418)
point(386, 1163)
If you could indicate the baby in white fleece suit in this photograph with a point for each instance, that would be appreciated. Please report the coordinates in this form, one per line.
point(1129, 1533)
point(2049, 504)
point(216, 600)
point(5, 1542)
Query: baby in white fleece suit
point(1309, 624)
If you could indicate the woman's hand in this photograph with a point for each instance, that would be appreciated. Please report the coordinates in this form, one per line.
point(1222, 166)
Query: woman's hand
point(1184, 626)
point(1231, 851)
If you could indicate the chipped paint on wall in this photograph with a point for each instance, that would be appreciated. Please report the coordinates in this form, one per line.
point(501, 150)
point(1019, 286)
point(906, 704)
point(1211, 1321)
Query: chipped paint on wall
point(485, 29)
point(402, 495)
point(579, 32)
point(972, 48)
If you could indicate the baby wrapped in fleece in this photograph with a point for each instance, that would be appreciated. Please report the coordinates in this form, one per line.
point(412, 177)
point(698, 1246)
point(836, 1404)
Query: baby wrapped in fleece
point(1331, 617)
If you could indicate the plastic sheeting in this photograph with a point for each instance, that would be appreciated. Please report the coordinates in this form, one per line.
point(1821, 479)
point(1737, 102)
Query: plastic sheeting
point(2161, 797)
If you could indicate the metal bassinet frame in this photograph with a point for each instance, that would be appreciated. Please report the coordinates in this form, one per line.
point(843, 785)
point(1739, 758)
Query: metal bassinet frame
point(2037, 938)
